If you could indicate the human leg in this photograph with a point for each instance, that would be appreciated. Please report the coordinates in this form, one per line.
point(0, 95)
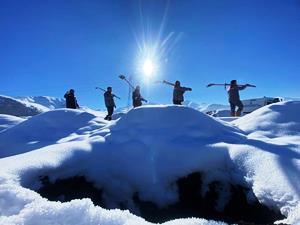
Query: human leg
point(232, 109)
point(240, 108)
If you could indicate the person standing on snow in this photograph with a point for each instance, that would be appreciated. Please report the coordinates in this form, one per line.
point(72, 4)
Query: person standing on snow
point(109, 103)
point(137, 98)
point(71, 101)
point(234, 98)
point(178, 92)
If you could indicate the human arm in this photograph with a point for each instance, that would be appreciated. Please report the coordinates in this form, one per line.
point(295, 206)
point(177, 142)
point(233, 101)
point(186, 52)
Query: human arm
point(116, 96)
point(242, 87)
point(186, 88)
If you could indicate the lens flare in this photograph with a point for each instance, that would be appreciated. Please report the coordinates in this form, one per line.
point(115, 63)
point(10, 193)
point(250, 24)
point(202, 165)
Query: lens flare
point(148, 67)
point(155, 46)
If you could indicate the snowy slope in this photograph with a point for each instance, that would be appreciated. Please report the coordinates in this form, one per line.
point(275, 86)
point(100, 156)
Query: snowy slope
point(46, 101)
point(15, 107)
point(275, 120)
point(29, 106)
point(145, 152)
point(7, 121)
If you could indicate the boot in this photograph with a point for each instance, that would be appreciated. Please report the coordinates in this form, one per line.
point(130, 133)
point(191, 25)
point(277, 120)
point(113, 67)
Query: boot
point(238, 113)
point(232, 114)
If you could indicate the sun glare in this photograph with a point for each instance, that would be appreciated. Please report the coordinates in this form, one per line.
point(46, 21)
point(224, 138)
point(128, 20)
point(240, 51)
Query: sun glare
point(148, 67)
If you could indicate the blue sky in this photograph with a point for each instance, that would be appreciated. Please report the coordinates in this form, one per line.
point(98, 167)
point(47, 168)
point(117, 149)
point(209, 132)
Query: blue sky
point(48, 47)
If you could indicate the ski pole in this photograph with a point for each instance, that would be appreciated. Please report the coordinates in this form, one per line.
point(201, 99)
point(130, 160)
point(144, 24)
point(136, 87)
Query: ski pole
point(167, 82)
point(105, 91)
point(100, 89)
point(164, 82)
point(171, 84)
point(122, 77)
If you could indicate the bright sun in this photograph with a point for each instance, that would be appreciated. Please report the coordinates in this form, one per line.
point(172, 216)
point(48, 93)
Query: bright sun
point(148, 67)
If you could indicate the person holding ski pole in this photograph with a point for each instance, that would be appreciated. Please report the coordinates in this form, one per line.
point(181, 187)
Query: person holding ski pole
point(178, 92)
point(137, 98)
point(71, 101)
point(109, 103)
point(234, 97)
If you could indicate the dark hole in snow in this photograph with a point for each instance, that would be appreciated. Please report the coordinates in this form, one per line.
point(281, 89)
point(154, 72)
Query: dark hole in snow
point(65, 190)
point(191, 202)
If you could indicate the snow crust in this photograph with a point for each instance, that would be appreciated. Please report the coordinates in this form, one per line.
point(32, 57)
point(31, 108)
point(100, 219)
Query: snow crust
point(146, 151)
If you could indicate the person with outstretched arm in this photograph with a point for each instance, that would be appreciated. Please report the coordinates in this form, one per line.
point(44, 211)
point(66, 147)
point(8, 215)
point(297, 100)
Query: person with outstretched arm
point(178, 92)
point(71, 101)
point(109, 103)
point(137, 98)
point(234, 98)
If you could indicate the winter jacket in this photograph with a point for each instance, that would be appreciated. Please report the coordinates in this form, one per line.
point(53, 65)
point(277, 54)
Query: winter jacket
point(233, 93)
point(109, 99)
point(71, 101)
point(137, 99)
point(178, 93)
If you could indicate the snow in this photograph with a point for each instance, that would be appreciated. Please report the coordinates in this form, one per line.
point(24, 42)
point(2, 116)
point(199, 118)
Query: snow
point(7, 121)
point(205, 107)
point(29, 106)
point(220, 113)
point(46, 101)
point(146, 151)
point(275, 120)
point(15, 107)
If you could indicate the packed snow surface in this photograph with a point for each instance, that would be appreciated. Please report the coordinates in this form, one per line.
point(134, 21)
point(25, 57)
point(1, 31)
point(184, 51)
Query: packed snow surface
point(146, 151)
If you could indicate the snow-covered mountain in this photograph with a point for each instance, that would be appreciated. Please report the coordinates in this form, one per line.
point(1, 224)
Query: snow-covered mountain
point(33, 105)
point(28, 106)
point(291, 99)
point(205, 107)
point(15, 107)
point(46, 101)
point(160, 162)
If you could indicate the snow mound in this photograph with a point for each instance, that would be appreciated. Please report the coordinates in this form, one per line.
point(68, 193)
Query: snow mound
point(46, 129)
point(273, 120)
point(145, 151)
point(46, 101)
point(7, 121)
point(17, 107)
point(175, 123)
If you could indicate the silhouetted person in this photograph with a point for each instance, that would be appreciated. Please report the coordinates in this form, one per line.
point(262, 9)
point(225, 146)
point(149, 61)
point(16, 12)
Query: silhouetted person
point(137, 98)
point(109, 103)
point(178, 92)
point(234, 98)
point(71, 101)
